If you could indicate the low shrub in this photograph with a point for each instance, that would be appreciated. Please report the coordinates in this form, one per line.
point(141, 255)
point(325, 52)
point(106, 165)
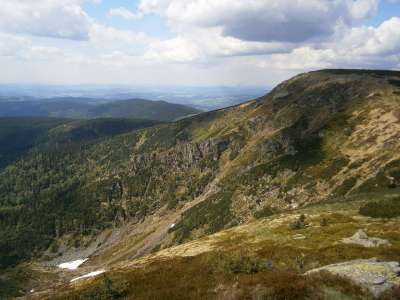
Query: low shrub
point(300, 223)
point(324, 222)
point(54, 247)
point(391, 294)
point(382, 209)
point(265, 212)
point(242, 264)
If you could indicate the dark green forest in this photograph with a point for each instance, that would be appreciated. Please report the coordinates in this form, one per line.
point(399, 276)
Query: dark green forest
point(79, 177)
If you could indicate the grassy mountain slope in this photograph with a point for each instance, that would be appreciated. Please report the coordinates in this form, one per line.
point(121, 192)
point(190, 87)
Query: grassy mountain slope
point(261, 260)
point(319, 136)
point(86, 108)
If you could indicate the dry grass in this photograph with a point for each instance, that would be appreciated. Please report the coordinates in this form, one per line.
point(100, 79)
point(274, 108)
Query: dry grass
point(260, 260)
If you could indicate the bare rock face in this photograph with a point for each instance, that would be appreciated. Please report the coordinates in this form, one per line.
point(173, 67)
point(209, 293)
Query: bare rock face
point(361, 238)
point(371, 274)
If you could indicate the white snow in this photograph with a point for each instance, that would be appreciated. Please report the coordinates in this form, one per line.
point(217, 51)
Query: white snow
point(72, 265)
point(92, 274)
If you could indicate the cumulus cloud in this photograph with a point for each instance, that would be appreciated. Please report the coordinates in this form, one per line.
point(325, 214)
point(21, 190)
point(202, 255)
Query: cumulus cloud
point(283, 34)
point(263, 20)
point(383, 40)
point(359, 47)
point(199, 45)
point(47, 18)
point(214, 42)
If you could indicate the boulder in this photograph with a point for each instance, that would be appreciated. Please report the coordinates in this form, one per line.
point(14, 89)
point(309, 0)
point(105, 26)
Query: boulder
point(361, 238)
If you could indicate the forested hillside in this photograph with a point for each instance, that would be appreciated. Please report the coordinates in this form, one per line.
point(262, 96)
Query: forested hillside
point(88, 108)
point(17, 135)
point(50, 158)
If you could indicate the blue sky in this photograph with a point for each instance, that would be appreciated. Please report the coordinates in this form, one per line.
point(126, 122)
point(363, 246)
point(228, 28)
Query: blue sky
point(386, 11)
point(192, 42)
point(152, 24)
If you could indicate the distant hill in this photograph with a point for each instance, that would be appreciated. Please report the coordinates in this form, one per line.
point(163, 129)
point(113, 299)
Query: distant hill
point(85, 108)
point(19, 135)
point(144, 109)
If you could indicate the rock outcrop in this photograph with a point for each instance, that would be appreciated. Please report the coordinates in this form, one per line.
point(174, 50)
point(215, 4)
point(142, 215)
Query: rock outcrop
point(371, 274)
point(361, 238)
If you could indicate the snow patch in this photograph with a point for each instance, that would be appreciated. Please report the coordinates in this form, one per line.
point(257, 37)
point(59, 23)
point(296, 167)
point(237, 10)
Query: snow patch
point(89, 275)
point(72, 265)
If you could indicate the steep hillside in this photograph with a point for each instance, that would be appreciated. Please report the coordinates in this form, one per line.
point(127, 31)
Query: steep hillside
point(87, 108)
point(328, 135)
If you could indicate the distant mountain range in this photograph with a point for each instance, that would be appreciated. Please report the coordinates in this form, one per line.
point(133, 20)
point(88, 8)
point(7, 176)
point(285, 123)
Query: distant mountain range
point(203, 98)
point(88, 108)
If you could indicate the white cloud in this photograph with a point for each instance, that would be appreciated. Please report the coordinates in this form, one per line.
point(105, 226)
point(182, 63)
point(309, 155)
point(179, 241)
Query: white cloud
point(213, 42)
point(383, 40)
point(11, 45)
point(200, 45)
point(47, 18)
point(300, 59)
point(177, 49)
point(283, 34)
point(22, 49)
point(109, 36)
point(362, 9)
point(124, 13)
point(360, 47)
point(263, 20)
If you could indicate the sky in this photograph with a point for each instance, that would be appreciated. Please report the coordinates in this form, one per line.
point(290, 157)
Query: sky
point(192, 42)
